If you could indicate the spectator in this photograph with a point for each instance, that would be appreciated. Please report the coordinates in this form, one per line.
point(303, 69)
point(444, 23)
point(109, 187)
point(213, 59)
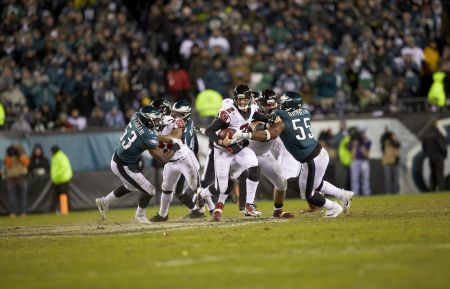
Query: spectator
point(16, 170)
point(390, 146)
point(207, 104)
point(217, 77)
point(437, 94)
point(61, 175)
point(39, 164)
point(78, 121)
point(179, 83)
point(360, 167)
point(2, 115)
point(114, 118)
point(327, 87)
point(434, 145)
point(21, 124)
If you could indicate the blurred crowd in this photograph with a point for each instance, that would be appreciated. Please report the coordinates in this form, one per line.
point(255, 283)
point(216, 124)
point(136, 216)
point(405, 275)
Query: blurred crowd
point(68, 65)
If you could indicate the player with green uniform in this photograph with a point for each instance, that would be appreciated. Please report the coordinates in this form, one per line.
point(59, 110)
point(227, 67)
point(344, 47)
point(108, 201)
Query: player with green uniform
point(292, 125)
point(140, 135)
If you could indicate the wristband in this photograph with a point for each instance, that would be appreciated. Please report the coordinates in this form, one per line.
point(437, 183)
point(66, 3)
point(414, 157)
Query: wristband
point(268, 137)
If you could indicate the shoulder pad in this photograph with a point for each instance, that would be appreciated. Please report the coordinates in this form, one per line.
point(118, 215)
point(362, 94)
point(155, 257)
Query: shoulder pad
point(227, 102)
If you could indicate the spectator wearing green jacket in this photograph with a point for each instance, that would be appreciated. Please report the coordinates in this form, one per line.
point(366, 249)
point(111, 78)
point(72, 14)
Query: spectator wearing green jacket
point(61, 175)
point(436, 95)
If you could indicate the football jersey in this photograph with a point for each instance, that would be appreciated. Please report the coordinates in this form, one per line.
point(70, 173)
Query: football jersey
point(235, 120)
point(135, 140)
point(260, 147)
point(188, 134)
point(297, 136)
point(171, 124)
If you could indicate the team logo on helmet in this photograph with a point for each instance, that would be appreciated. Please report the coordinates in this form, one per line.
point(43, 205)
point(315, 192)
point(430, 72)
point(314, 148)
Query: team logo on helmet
point(291, 101)
point(181, 109)
point(163, 105)
point(150, 116)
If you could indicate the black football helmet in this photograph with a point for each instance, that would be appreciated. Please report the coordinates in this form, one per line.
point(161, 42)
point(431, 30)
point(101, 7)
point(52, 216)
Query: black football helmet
point(240, 93)
point(163, 105)
point(291, 101)
point(268, 100)
point(150, 116)
point(181, 109)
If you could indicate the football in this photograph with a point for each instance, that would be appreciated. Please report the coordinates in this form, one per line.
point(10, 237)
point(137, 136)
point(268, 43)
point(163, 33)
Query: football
point(226, 131)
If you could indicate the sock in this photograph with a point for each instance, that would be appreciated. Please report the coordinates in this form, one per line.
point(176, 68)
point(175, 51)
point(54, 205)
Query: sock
point(140, 211)
point(329, 204)
point(251, 191)
point(329, 189)
point(277, 206)
point(109, 198)
point(165, 202)
point(222, 198)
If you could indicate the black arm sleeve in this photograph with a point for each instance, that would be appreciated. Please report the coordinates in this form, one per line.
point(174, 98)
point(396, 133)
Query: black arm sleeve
point(260, 117)
point(216, 125)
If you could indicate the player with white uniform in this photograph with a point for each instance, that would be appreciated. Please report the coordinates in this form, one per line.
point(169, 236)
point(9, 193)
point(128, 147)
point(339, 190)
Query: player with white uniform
point(183, 162)
point(268, 165)
point(238, 116)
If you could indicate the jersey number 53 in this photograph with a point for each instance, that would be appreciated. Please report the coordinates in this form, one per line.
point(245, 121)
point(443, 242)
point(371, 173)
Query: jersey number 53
point(300, 127)
point(128, 141)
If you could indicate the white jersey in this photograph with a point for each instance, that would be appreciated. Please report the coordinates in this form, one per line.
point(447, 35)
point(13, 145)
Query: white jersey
point(231, 115)
point(260, 147)
point(171, 124)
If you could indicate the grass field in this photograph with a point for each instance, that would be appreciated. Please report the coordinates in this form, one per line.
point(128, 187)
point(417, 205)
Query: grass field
point(384, 242)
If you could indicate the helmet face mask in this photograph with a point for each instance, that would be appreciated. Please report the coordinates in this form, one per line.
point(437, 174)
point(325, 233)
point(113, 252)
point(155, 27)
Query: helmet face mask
point(242, 97)
point(268, 101)
point(181, 109)
point(150, 116)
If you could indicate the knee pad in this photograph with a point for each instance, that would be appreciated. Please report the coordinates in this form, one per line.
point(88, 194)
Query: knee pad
point(253, 174)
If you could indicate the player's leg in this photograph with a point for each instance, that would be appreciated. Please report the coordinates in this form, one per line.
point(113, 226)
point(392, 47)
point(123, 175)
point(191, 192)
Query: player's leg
point(247, 158)
point(171, 175)
point(189, 169)
point(310, 180)
point(222, 162)
point(104, 202)
point(272, 171)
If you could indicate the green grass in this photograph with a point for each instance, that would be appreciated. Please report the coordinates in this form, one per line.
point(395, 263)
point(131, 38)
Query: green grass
point(384, 242)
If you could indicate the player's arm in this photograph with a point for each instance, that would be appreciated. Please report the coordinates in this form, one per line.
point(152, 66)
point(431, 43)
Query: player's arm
point(261, 135)
point(169, 138)
point(260, 117)
point(216, 125)
point(159, 155)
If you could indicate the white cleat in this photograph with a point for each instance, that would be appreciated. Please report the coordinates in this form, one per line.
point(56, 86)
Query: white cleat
point(142, 219)
point(102, 208)
point(346, 201)
point(334, 212)
point(251, 211)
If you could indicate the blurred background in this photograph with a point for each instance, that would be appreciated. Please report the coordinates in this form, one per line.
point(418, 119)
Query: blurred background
point(72, 73)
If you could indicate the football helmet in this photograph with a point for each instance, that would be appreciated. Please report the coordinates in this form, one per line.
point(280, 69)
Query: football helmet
point(242, 97)
point(181, 109)
point(268, 100)
point(291, 101)
point(163, 105)
point(150, 116)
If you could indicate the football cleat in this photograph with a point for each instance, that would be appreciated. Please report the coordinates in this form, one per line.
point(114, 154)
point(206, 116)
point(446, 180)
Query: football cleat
point(334, 212)
point(312, 209)
point(157, 218)
point(102, 208)
point(142, 219)
point(217, 213)
point(195, 214)
point(251, 211)
point(282, 214)
point(346, 201)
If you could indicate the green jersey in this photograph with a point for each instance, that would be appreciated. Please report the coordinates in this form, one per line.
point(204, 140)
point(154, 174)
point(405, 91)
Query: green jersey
point(135, 140)
point(297, 136)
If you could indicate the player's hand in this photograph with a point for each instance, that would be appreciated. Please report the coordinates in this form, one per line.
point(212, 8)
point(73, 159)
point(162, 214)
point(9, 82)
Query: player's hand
point(240, 135)
point(277, 119)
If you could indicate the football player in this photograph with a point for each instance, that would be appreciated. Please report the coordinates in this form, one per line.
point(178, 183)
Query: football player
point(292, 124)
point(269, 166)
point(140, 134)
point(237, 115)
point(183, 162)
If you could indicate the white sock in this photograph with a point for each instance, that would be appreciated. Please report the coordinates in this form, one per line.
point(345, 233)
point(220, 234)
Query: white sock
point(222, 198)
point(140, 211)
point(109, 198)
point(329, 204)
point(329, 189)
point(251, 191)
point(165, 202)
point(205, 194)
point(209, 203)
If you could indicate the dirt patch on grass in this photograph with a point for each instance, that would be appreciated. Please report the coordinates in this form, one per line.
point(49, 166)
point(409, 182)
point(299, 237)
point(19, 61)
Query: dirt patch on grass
point(105, 228)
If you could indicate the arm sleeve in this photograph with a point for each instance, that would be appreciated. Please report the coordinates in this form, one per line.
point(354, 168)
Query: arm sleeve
point(216, 125)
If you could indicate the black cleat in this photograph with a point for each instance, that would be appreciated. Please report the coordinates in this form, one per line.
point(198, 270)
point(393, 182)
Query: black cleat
point(158, 218)
point(195, 214)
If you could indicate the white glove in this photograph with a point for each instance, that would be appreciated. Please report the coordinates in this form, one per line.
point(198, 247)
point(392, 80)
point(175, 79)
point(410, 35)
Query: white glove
point(240, 135)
